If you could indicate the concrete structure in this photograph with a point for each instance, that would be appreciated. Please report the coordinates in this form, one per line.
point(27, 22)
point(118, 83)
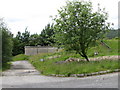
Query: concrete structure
point(33, 50)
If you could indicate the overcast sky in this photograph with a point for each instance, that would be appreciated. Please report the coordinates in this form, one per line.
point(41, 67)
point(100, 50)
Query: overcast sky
point(35, 14)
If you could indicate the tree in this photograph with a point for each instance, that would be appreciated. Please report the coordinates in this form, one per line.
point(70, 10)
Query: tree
point(47, 35)
point(7, 44)
point(78, 28)
point(34, 40)
point(17, 44)
point(20, 41)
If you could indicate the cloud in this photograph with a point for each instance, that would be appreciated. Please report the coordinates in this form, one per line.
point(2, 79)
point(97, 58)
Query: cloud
point(35, 13)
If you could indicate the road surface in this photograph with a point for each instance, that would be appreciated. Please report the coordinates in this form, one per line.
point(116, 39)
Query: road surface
point(23, 75)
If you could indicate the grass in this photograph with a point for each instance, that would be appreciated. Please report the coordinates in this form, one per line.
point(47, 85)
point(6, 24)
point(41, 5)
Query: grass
point(49, 66)
point(20, 57)
point(5, 67)
point(103, 51)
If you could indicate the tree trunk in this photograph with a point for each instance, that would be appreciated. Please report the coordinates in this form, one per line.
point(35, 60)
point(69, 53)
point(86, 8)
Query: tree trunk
point(86, 58)
point(84, 55)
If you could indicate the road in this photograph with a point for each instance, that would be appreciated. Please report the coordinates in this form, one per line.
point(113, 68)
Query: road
point(27, 80)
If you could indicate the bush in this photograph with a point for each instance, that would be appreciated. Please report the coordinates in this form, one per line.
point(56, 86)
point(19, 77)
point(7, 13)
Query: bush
point(7, 44)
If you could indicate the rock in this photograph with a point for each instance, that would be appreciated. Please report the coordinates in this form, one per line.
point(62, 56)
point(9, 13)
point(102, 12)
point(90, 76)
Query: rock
point(102, 72)
point(116, 70)
point(93, 73)
point(96, 73)
point(96, 53)
point(52, 74)
point(72, 59)
point(61, 75)
point(52, 57)
point(42, 60)
point(60, 62)
point(107, 71)
point(73, 75)
point(80, 75)
point(89, 74)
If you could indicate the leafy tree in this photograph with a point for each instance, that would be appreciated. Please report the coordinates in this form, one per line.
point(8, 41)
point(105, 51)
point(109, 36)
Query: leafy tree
point(78, 27)
point(25, 37)
point(46, 35)
point(7, 44)
point(20, 41)
point(34, 40)
point(17, 44)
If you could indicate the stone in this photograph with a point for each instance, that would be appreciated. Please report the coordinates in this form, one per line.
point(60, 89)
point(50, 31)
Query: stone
point(102, 72)
point(61, 75)
point(60, 62)
point(96, 53)
point(96, 73)
point(42, 60)
point(89, 74)
point(73, 75)
point(107, 71)
point(116, 70)
point(57, 75)
point(52, 74)
point(80, 75)
point(93, 73)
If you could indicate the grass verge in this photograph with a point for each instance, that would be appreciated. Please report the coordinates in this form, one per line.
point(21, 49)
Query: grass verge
point(20, 57)
point(49, 66)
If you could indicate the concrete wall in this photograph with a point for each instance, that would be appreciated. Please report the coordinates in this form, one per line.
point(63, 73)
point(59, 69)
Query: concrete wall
point(33, 50)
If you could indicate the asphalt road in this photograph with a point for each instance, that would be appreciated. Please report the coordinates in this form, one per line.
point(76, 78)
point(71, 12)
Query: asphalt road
point(36, 81)
point(22, 78)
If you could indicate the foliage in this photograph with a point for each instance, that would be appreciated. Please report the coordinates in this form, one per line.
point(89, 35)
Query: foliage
point(34, 40)
point(7, 44)
point(20, 57)
point(103, 50)
point(17, 45)
point(47, 36)
point(49, 66)
point(20, 41)
point(25, 39)
point(113, 34)
point(78, 27)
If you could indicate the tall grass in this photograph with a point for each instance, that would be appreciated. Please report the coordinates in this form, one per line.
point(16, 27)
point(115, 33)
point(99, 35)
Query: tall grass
point(49, 65)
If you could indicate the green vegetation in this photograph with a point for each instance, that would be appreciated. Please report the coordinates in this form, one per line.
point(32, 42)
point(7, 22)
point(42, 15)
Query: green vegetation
point(6, 67)
point(26, 39)
point(113, 33)
point(20, 41)
point(7, 45)
point(78, 27)
point(103, 50)
point(20, 57)
point(49, 66)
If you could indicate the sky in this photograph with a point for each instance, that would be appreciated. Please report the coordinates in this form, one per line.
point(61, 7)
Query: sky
point(35, 14)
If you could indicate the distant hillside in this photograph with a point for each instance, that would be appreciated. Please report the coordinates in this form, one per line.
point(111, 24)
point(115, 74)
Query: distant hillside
point(113, 33)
